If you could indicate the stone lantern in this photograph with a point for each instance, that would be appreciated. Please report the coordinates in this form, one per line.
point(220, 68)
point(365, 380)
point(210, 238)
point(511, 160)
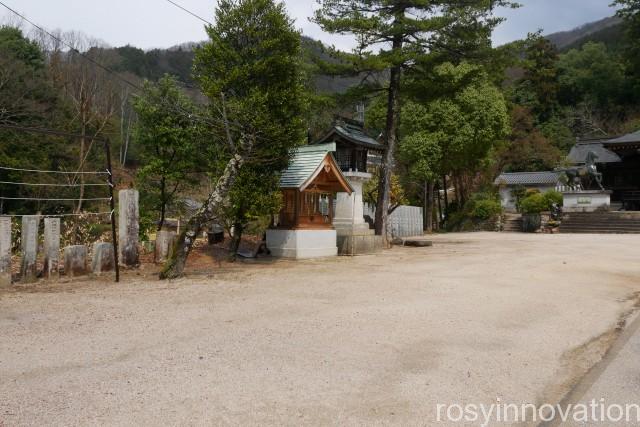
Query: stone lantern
point(356, 154)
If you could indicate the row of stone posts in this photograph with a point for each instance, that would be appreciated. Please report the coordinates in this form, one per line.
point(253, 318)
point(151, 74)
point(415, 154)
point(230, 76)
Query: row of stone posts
point(75, 258)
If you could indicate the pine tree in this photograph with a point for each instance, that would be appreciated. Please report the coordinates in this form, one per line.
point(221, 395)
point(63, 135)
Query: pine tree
point(393, 36)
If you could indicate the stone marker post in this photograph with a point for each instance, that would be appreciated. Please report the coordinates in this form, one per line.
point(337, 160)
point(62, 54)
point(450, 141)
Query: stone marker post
point(5, 251)
point(128, 227)
point(51, 247)
point(103, 258)
point(75, 260)
point(29, 237)
point(164, 245)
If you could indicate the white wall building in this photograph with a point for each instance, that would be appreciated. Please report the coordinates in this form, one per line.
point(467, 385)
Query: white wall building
point(508, 182)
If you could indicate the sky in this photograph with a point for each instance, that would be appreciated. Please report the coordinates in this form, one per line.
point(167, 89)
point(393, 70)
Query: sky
point(157, 23)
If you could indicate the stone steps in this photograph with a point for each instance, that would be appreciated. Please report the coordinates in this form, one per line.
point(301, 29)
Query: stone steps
point(601, 222)
point(512, 224)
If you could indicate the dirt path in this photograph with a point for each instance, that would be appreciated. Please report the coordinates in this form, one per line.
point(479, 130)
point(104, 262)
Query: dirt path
point(346, 341)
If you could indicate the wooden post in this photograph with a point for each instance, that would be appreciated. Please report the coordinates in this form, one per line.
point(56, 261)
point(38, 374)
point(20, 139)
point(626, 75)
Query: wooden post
point(112, 204)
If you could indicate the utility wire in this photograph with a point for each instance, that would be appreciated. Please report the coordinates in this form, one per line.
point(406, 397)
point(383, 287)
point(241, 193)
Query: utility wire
point(211, 121)
point(176, 107)
point(189, 12)
point(62, 215)
point(52, 200)
point(33, 184)
point(60, 172)
point(73, 49)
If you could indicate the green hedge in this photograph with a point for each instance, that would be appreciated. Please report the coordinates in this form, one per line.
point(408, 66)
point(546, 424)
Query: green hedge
point(537, 202)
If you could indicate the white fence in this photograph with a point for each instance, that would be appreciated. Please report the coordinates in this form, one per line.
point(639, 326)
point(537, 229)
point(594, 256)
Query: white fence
point(405, 221)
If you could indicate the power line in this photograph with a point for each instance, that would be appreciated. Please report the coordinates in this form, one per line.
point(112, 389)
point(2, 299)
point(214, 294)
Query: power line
point(33, 184)
point(176, 107)
point(189, 12)
point(54, 200)
point(58, 172)
point(63, 215)
point(73, 49)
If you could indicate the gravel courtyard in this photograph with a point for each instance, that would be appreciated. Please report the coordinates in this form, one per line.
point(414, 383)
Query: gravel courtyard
point(346, 341)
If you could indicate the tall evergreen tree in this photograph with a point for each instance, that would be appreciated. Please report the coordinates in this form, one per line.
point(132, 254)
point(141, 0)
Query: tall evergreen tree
point(169, 144)
point(250, 71)
point(393, 35)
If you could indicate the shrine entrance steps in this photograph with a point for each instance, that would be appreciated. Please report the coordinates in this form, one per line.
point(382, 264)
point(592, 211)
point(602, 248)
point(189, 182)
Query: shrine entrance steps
point(512, 223)
point(601, 222)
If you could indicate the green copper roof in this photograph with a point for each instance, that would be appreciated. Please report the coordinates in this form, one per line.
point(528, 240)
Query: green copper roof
point(306, 161)
point(353, 134)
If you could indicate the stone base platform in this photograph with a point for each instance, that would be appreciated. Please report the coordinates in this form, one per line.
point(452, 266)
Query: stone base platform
point(301, 244)
point(359, 242)
point(586, 201)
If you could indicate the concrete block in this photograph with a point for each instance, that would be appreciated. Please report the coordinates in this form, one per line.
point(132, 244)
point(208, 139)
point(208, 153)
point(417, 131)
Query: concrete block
point(301, 244)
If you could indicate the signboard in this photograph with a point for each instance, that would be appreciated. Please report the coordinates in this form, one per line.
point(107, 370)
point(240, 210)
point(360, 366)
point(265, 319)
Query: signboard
point(584, 200)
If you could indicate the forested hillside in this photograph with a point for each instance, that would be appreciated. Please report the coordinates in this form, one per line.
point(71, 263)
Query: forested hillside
point(178, 61)
point(607, 30)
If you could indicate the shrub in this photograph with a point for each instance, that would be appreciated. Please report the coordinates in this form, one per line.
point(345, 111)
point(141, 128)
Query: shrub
point(553, 197)
point(534, 204)
point(485, 209)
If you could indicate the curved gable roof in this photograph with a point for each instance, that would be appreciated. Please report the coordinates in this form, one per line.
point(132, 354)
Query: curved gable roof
point(352, 134)
point(307, 163)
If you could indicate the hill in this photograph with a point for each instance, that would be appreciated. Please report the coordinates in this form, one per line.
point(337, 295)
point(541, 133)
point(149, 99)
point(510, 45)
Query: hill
point(607, 30)
point(178, 61)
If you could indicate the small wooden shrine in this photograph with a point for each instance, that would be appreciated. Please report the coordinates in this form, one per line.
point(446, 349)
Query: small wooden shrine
point(308, 188)
point(305, 224)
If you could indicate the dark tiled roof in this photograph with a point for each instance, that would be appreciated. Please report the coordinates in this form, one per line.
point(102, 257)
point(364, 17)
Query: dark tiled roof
point(632, 137)
point(579, 153)
point(528, 178)
point(353, 134)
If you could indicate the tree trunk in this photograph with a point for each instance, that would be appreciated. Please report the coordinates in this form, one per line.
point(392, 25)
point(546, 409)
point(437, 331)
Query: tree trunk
point(446, 196)
point(424, 206)
point(386, 169)
point(439, 208)
point(163, 202)
point(174, 267)
point(429, 192)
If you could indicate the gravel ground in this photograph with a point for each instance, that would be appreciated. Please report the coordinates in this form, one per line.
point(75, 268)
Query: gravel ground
point(345, 341)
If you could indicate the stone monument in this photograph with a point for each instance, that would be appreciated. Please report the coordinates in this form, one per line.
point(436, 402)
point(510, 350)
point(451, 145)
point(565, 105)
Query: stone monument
point(103, 258)
point(164, 245)
point(29, 237)
point(128, 227)
point(51, 247)
point(75, 260)
point(5, 251)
